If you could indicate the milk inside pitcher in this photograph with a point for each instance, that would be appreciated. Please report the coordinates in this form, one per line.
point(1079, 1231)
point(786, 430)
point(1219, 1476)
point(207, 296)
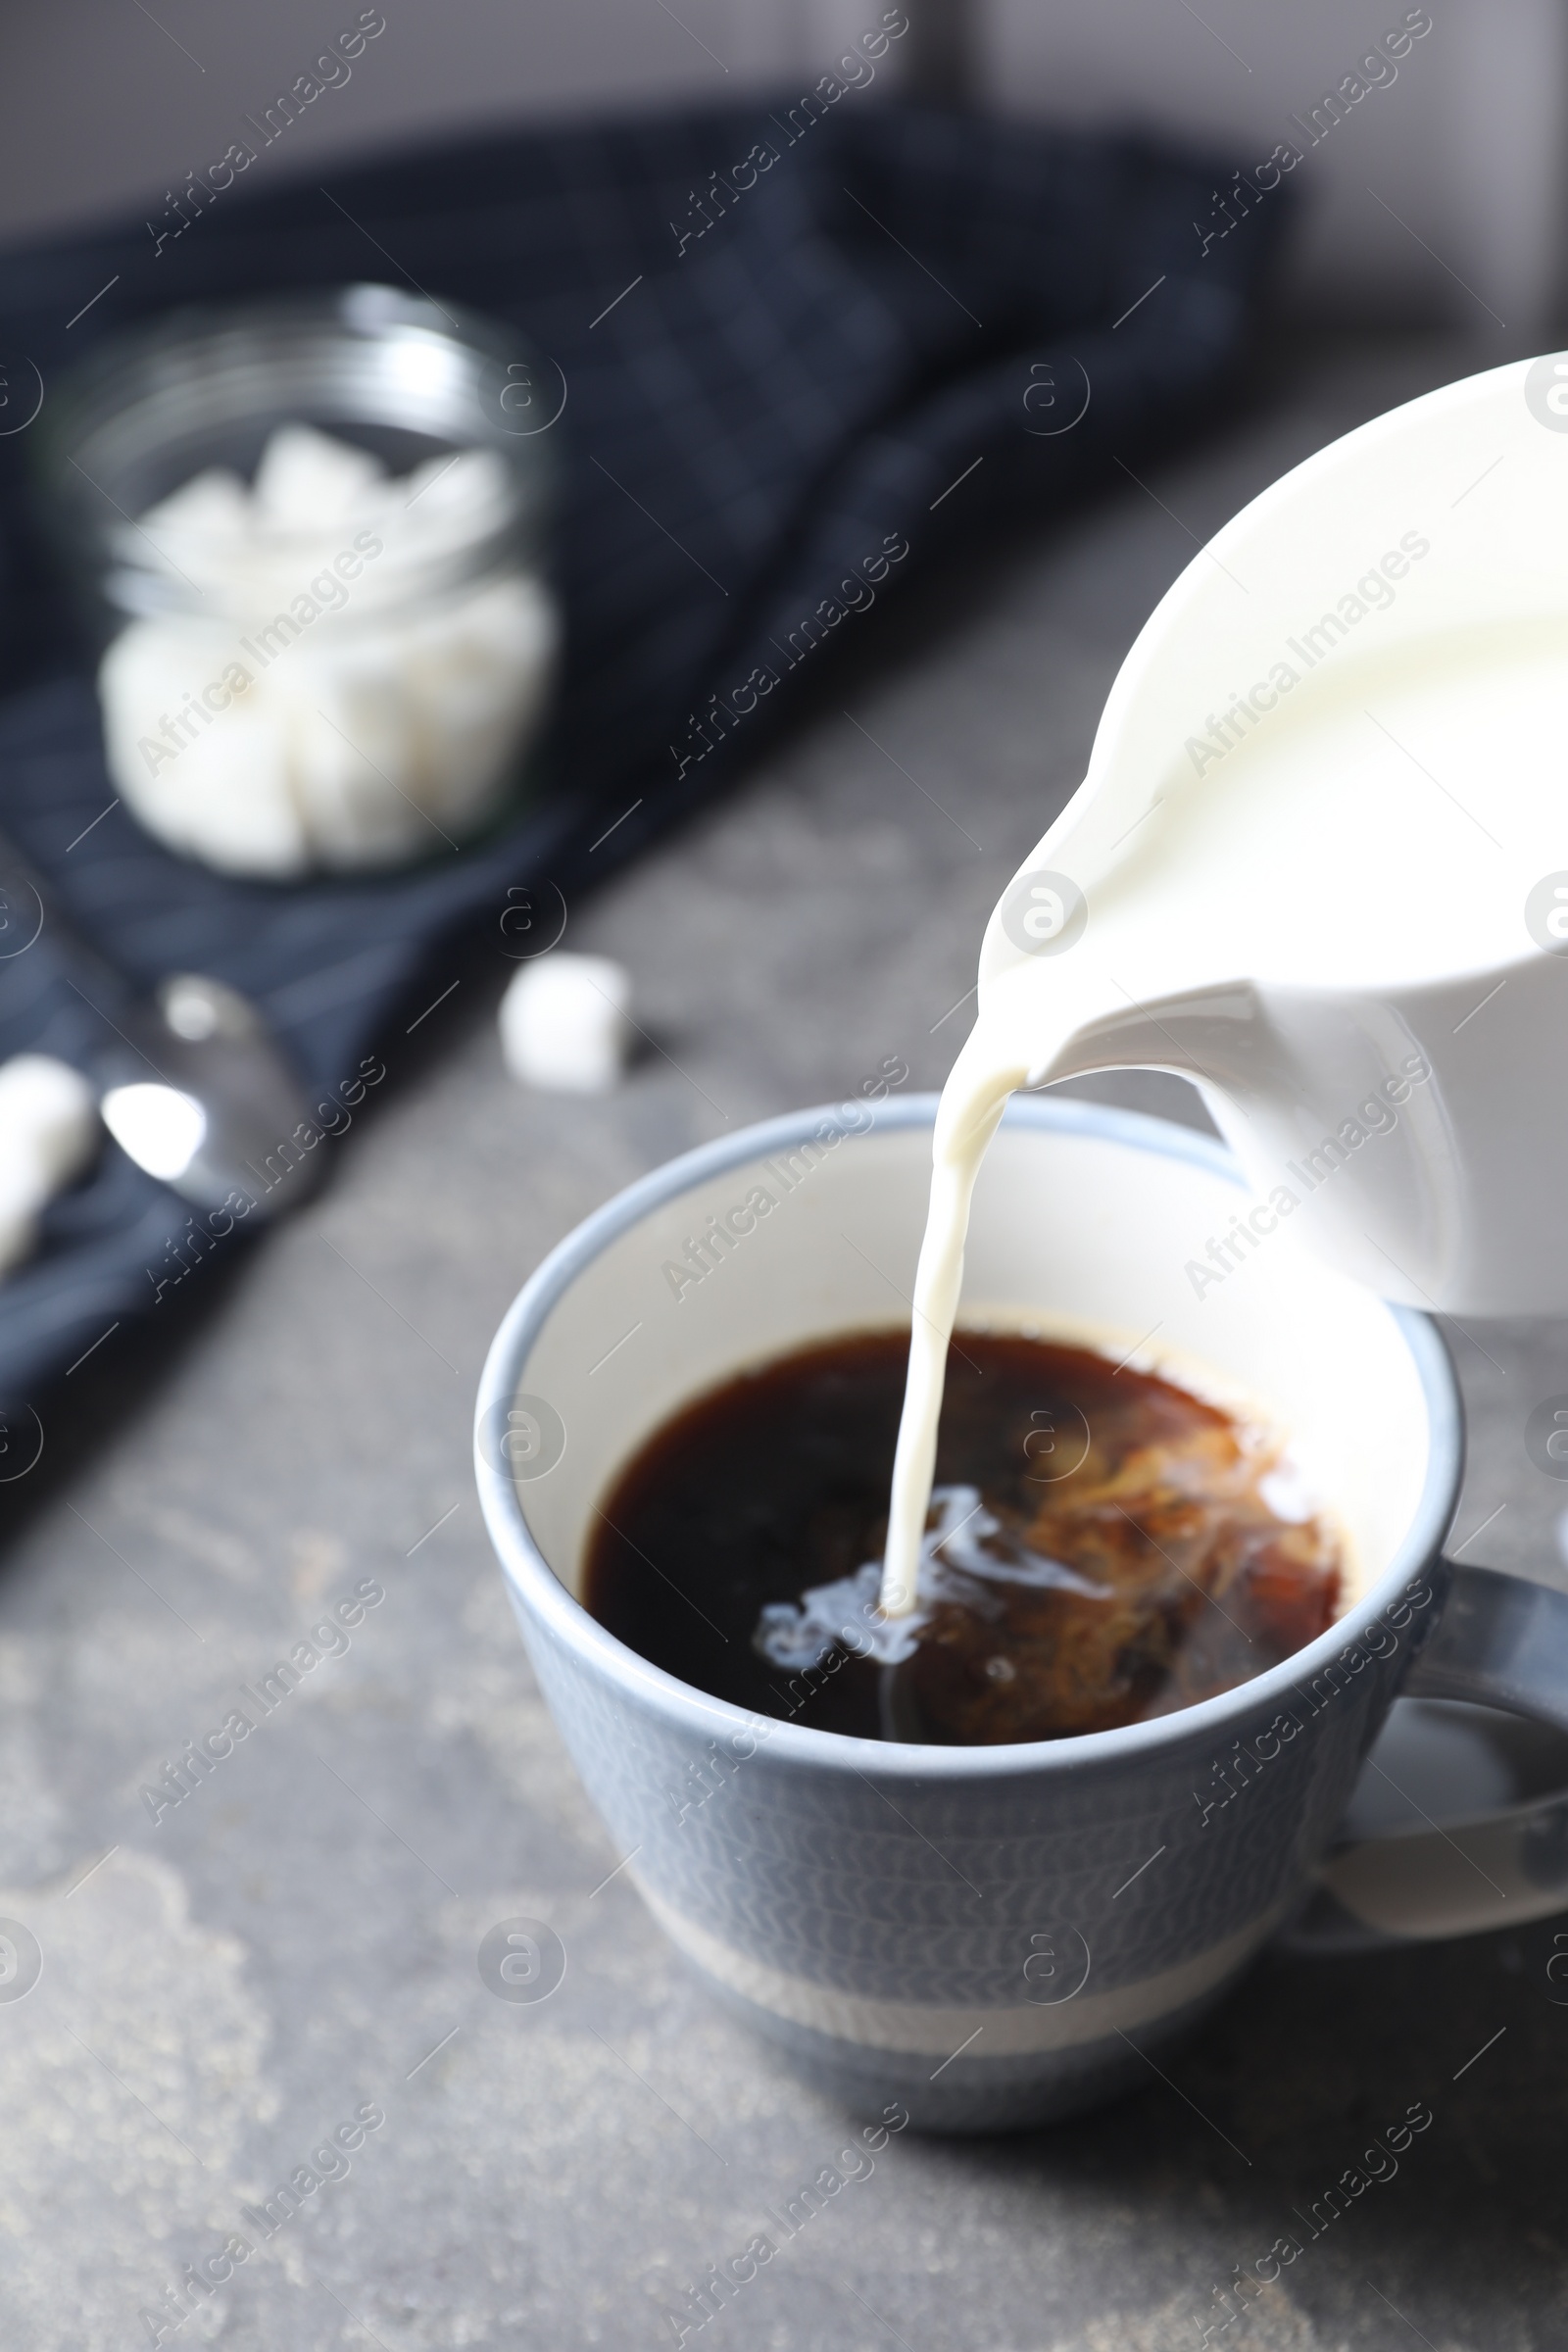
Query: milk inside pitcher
point(1319, 863)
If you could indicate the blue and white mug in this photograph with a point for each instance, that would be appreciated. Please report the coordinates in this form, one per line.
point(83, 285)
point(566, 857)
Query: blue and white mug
point(996, 1936)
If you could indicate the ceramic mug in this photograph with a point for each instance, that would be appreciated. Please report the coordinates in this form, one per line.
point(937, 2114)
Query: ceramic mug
point(991, 1935)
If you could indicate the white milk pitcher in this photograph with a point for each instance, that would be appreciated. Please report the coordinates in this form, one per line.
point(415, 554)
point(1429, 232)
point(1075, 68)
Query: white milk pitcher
point(1320, 861)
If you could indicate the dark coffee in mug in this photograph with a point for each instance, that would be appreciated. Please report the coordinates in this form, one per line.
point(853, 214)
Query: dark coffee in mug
point(1103, 1546)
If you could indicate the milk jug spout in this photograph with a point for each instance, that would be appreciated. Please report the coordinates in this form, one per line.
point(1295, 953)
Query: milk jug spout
point(1327, 1099)
point(1216, 1035)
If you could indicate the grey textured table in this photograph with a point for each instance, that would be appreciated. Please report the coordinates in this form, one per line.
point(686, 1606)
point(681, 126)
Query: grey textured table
point(294, 1943)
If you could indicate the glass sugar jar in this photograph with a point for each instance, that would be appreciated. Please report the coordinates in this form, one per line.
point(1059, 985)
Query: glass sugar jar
point(313, 532)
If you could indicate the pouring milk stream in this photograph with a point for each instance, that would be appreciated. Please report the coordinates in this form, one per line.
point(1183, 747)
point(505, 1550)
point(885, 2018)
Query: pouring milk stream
point(1319, 866)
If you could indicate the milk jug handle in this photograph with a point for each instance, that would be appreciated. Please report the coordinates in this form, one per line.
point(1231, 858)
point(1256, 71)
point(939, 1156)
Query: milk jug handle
point(1501, 1642)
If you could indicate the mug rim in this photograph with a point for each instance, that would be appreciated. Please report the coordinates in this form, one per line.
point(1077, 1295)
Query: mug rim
point(543, 1594)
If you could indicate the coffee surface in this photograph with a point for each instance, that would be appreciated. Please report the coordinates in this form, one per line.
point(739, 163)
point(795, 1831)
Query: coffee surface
point(1101, 1546)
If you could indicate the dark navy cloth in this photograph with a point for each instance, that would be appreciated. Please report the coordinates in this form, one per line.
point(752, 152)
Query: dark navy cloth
point(807, 374)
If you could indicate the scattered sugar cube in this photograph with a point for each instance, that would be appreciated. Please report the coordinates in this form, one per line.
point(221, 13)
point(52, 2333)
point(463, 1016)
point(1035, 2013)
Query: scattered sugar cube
point(48, 1132)
point(48, 1119)
point(565, 1023)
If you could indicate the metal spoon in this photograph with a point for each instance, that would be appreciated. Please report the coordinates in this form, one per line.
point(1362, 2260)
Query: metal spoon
point(199, 1096)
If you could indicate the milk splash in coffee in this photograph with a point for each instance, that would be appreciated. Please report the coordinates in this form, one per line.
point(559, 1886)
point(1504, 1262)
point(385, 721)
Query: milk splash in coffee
point(1323, 835)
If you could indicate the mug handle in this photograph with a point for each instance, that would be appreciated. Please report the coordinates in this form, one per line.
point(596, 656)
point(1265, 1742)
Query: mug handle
point(1501, 1642)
